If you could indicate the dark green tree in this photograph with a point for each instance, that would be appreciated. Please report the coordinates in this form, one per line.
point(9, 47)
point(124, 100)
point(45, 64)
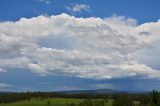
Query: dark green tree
point(154, 98)
point(48, 103)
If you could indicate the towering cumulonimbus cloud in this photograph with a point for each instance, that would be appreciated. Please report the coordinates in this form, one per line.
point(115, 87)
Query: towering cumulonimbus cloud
point(82, 47)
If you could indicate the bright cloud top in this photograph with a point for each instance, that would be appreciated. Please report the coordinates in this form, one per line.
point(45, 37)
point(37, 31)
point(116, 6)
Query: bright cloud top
point(82, 47)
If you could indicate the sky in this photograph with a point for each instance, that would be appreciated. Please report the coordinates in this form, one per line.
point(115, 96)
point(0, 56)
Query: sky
point(56, 45)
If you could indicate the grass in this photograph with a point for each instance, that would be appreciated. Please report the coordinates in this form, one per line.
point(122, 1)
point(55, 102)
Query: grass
point(136, 103)
point(109, 102)
point(54, 102)
point(38, 102)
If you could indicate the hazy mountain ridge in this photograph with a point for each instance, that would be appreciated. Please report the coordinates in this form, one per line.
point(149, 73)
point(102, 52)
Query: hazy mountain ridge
point(99, 91)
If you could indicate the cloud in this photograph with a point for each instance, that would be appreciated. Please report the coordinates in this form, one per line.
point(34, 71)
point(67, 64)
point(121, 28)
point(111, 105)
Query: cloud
point(81, 47)
point(2, 70)
point(78, 8)
point(104, 86)
point(121, 20)
point(68, 88)
point(45, 1)
point(4, 85)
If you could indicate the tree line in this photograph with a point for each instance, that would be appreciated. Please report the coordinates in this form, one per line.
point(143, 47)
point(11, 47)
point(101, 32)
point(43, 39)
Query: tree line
point(147, 99)
point(152, 99)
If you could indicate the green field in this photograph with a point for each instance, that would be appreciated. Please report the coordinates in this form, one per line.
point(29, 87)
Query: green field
point(53, 101)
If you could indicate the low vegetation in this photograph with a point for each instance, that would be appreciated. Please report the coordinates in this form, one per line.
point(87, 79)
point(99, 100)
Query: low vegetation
point(60, 99)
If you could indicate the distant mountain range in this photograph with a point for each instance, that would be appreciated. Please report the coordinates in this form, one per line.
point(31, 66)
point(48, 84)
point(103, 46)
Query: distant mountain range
point(103, 91)
point(98, 91)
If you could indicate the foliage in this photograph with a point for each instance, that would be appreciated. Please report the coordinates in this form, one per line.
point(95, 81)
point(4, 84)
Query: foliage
point(154, 98)
point(61, 99)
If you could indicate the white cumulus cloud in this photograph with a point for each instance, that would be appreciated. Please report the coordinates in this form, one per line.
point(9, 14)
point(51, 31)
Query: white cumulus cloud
point(81, 47)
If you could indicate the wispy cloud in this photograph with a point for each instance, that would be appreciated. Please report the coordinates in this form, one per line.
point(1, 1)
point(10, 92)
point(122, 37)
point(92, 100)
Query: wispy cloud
point(45, 1)
point(71, 88)
point(78, 8)
point(2, 70)
point(4, 85)
point(103, 86)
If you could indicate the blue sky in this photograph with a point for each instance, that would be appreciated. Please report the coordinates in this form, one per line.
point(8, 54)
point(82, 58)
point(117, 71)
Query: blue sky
point(142, 10)
point(46, 46)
